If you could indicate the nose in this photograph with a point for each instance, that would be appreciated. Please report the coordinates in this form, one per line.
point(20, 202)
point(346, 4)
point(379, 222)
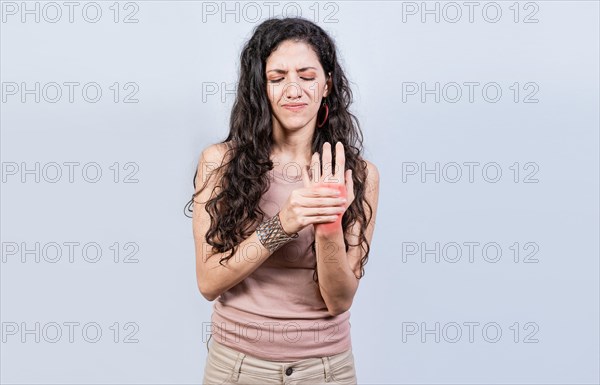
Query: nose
point(292, 91)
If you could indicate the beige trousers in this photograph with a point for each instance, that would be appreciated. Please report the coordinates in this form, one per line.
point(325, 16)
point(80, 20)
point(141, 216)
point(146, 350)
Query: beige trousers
point(228, 366)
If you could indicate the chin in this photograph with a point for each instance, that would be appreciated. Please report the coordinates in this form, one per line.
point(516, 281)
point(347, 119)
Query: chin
point(293, 124)
point(296, 125)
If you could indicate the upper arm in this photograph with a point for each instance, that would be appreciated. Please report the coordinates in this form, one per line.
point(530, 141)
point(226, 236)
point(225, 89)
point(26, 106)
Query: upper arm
point(206, 180)
point(356, 253)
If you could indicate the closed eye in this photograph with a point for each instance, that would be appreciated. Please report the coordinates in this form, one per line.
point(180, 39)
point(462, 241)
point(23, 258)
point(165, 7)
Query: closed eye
point(278, 80)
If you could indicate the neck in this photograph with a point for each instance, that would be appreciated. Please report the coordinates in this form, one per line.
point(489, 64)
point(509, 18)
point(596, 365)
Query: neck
point(292, 145)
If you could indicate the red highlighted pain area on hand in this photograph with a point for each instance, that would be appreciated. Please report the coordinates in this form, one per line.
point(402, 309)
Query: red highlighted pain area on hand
point(331, 227)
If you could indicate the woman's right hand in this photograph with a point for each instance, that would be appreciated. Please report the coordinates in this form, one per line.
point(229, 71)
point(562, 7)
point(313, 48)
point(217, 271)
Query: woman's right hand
point(310, 205)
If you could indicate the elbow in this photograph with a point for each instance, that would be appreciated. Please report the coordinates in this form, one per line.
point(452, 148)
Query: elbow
point(210, 296)
point(335, 311)
point(206, 286)
point(339, 306)
point(207, 292)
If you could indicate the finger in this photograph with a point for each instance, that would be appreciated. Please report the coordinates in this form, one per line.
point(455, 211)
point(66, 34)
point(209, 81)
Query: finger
point(323, 211)
point(340, 162)
point(316, 168)
point(327, 169)
point(321, 191)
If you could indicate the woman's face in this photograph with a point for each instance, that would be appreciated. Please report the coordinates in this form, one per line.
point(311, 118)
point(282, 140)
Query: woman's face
point(295, 77)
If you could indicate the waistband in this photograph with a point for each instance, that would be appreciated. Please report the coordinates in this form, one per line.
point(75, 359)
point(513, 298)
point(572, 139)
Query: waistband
point(255, 365)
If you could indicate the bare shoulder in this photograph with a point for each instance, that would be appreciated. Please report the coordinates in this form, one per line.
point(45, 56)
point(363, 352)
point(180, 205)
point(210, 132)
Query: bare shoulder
point(372, 176)
point(209, 162)
point(214, 154)
point(372, 168)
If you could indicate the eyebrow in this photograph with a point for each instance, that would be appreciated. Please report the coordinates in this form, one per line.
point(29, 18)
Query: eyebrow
point(284, 72)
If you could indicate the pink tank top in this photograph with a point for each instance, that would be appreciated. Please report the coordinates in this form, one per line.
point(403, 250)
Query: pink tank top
point(277, 313)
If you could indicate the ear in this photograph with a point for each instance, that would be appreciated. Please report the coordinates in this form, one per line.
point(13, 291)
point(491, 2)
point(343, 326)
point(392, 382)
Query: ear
point(327, 85)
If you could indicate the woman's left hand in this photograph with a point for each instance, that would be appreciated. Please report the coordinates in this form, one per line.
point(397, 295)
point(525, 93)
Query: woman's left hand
point(339, 179)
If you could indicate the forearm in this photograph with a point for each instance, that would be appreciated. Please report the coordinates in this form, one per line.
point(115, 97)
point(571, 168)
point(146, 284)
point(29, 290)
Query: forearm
point(337, 282)
point(215, 278)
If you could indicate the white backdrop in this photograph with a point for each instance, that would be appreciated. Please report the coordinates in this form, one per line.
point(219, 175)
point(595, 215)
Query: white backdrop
point(482, 118)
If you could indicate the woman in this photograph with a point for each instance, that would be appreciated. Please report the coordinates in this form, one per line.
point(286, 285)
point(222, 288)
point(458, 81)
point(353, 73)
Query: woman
point(281, 235)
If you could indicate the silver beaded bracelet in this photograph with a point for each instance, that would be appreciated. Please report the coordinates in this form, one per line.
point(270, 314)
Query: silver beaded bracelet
point(271, 233)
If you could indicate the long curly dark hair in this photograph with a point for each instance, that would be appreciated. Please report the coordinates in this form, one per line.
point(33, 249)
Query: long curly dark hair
point(235, 211)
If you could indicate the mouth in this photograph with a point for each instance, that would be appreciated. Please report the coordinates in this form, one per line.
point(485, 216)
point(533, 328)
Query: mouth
point(294, 107)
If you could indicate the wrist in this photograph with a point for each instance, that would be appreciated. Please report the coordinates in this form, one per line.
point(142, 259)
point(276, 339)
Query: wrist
point(284, 227)
point(272, 235)
point(329, 230)
point(332, 229)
